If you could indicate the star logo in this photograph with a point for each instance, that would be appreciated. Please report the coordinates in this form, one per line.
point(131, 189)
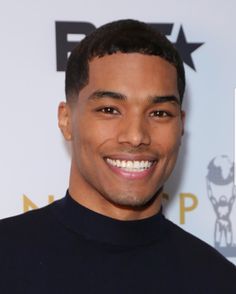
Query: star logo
point(185, 48)
point(63, 46)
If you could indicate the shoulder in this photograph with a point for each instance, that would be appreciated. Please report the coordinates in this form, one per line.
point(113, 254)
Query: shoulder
point(191, 246)
point(26, 226)
point(23, 219)
point(199, 261)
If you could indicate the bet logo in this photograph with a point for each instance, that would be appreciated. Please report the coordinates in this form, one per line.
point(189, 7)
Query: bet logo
point(66, 33)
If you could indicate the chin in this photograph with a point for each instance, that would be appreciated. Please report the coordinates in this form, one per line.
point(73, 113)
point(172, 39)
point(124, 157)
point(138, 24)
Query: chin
point(133, 201)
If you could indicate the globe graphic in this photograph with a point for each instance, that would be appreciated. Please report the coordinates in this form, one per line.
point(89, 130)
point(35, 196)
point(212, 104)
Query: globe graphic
point(220, 170)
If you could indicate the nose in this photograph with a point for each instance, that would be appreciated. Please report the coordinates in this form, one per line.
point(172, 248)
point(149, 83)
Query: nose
point(134, 131)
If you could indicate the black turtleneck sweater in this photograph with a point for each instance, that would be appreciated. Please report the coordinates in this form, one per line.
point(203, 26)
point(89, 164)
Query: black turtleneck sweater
point(66, 248)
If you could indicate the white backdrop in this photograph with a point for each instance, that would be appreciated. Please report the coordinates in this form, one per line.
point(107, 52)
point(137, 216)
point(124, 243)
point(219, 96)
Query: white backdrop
point(35, 160)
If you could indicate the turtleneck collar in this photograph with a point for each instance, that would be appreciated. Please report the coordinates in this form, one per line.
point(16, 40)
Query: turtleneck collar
point(101, 228)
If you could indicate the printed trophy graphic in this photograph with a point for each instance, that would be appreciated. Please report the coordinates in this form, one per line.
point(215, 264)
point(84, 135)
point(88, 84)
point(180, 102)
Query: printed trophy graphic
point(222, 193)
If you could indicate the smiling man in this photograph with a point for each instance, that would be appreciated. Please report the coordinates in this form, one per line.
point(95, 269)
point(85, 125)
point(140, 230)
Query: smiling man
point(125, 127)
point(123, 116)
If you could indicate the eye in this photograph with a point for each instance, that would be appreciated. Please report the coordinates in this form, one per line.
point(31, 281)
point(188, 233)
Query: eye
point(109, 110)
point(160, 113)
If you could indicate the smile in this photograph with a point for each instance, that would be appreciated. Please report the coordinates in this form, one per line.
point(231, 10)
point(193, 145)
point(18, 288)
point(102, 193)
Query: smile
point(130, 165)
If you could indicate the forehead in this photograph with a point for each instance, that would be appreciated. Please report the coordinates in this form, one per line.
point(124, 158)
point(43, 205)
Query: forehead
point(133, 73)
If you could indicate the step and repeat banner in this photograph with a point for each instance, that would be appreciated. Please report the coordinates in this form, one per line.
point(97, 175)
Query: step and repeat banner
point(36, 39)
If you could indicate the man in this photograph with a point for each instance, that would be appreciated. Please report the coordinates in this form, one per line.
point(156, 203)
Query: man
point(124, 88)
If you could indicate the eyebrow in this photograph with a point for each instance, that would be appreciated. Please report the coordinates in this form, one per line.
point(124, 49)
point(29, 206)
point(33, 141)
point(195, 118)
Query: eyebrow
point(107, 94)
point(119, 96)
point(163, 99)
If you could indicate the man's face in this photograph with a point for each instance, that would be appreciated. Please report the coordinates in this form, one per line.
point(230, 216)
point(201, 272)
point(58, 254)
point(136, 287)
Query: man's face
point(126, 129)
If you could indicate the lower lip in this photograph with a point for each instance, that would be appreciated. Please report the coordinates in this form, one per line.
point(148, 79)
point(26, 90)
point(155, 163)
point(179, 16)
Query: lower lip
point(132, 175)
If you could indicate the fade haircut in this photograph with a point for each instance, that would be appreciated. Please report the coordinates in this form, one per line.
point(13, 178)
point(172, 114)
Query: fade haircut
point(125, 36)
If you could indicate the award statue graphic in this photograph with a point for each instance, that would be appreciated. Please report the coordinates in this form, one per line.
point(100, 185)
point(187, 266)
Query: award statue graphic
point(222, 193)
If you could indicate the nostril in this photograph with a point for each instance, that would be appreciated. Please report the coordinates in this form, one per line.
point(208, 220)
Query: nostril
point(134, 134)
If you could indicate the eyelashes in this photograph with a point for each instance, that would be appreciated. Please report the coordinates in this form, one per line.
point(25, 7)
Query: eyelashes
point(161, 113)
point(110, 110)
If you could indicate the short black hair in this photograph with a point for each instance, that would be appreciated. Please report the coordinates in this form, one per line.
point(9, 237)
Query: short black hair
point(125, 36)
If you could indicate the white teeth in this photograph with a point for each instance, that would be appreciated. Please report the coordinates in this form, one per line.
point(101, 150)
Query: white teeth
point(130, 165)
point(136, 164)
point(123, 164)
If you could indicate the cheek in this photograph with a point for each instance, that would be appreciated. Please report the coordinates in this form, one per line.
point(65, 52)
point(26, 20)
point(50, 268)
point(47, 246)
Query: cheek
point(89, 135)
point(168, 139)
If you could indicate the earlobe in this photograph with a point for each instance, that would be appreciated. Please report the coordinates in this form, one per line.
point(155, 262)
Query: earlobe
point(64, 120)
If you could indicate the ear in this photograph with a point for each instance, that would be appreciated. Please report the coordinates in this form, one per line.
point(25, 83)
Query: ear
point(183, 115)
point(64, 120)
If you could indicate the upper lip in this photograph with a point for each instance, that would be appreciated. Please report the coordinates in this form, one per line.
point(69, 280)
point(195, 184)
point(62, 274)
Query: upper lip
point(132, 157)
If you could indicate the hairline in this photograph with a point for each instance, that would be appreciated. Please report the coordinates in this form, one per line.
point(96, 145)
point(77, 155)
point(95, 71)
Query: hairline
point(73, 96)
